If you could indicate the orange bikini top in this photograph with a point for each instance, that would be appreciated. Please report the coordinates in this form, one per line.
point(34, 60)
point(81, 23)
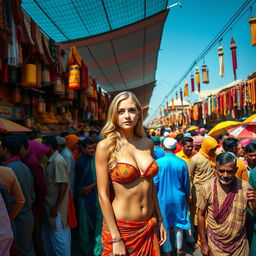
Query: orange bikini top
point(124, 172)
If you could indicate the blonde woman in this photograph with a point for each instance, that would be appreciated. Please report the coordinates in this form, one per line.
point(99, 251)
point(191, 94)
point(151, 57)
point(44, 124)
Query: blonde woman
point(124, 157)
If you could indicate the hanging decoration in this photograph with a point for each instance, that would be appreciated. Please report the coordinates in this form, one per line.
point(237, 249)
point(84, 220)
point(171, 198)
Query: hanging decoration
point(167, 108)
point(177, 97)
point(192, 83)
point(205, 74)
point(234, 59)
point(221, 61)
point(252, 22)
point(46, 80)
point(198, 78)
point(181, 97)
point(186, 89)
point(173, 104)
point(74, 77)
point(28, 75)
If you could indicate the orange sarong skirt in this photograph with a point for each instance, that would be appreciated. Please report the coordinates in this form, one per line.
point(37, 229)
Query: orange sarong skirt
point(140, 238)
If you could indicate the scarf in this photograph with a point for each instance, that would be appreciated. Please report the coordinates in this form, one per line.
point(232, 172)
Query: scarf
point(221, 213)
point(208, 144)
point(12, 159)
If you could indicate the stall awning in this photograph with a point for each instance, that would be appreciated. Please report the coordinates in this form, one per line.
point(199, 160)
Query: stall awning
point(125, 58)
point(118, 40)
point(65, 20)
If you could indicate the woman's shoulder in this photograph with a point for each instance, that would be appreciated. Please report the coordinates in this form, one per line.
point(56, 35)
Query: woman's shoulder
point(103, 145)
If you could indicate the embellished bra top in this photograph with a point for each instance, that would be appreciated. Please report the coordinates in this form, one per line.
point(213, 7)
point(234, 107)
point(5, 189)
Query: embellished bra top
point(125, 173)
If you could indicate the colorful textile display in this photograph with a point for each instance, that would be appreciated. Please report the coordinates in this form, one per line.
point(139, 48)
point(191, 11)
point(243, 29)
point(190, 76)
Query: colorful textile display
point(198, 79)
point(234, 59)
point(192, 83)
point(252, 22)
point(221, 61)
point(186, 93)
point(205, 74)
point(173, 104)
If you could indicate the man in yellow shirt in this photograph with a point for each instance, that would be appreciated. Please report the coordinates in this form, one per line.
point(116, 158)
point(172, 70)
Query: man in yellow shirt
point(187, 149)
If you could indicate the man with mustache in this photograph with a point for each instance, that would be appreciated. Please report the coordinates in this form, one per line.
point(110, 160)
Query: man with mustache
point(225, 199)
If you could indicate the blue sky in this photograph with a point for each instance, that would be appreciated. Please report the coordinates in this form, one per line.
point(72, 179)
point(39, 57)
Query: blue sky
point(187, 31)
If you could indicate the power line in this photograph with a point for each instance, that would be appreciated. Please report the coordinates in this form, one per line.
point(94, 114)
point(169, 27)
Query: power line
point(231, 23)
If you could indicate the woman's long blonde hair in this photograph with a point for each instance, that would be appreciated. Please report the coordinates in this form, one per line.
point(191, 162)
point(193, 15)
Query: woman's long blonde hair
point(110, 131)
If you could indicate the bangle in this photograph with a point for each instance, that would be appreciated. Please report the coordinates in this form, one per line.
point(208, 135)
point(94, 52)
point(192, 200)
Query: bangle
point(116, 240)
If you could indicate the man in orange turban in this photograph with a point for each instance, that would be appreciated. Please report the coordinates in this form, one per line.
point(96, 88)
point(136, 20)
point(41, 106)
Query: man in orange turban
point(67, 153)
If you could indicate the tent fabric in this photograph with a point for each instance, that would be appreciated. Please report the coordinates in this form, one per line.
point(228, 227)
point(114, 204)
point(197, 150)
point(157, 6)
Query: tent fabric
point(126, 58)
point(65, 20)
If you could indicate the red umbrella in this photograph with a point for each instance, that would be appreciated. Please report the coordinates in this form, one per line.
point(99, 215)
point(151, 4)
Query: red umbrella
point(245, 130)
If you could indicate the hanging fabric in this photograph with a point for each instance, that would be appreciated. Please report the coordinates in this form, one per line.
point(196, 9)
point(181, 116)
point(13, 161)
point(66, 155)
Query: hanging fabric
point(186, 93)
point(38, 75)
point(198, 79)
point(205, 74)
point(192, 83)
point(221, 61)
point(46, 80)
point(234, 58)
point(177, 97)
point(252, 22)
point(181, 97)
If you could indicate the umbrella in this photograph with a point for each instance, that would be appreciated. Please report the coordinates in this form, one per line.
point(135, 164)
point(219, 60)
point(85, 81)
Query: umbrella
point(10, 126)
point(192, 128)
point(251, 118)
point(244, 131)
point(222, 127)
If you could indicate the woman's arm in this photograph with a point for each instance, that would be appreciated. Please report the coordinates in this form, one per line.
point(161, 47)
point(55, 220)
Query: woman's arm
point(102, 172)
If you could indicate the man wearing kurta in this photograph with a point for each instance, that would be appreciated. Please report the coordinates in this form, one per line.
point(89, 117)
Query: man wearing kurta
point(224, 199)
point(23, 223)
point(6, 235)
point(172, 185)
point(87, 204)
point(56, 233)
point(201, 169)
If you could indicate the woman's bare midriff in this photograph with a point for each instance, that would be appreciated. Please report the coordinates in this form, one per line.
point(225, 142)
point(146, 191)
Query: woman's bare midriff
point(133, 201)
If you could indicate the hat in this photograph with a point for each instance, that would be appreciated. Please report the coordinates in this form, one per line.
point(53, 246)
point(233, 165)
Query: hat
point(187, 134)
point(170, 143)
point(197, 140)
point(166, 134)
point(71, 140)
point(192, 128)
point(162, 139)
point(202, 130)
point(61, 140)
point(156, 140)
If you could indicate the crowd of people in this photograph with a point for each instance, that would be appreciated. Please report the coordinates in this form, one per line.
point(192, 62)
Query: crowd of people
point(127, 191)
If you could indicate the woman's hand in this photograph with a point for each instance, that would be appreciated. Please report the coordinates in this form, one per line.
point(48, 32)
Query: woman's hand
point(162, 232)
point(119, 248)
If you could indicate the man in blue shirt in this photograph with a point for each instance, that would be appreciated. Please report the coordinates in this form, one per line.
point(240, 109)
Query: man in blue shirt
point(173, 190)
